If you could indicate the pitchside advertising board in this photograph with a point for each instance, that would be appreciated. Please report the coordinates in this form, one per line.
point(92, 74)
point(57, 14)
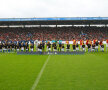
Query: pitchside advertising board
point(56, 18)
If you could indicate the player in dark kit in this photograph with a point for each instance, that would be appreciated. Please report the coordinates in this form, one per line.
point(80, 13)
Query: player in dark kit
point(43, 45)
point(74, 45)
point(49, 47)
point(68, 47)
point(19, 44)
point(1, 47)
point(102, 47)
point(31, 47)
point(13, 46)
point(96, 45)
point(53, 45)
point(9, 43)
point(55, 48)
point(77, 47)
point(89, 46)
point(26, 46)
point(5, 45)
point(17, 47)
point(101, 42)
point(40, 47)
point(93, 47)
point(83, 46)
point(22, 46)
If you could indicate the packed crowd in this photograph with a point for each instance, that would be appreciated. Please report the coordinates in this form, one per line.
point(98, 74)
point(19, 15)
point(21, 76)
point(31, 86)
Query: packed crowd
point(49, 33)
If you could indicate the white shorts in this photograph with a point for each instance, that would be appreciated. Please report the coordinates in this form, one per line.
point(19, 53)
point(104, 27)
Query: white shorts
point(31, 49)
point(74, 50)
point(68, 49)
point(12, 48)
point(22, 48)
point(83, 49)
point(49, 49)
point(102, 49)
point(4, 49)
point(40, 50)
point(80, 46)
point(107, 45)
point(17, 49)
point(62, 49)
point(77, 48)
point(26, 49)
point(96, 47)
point(93, 49)
point(55, 49)
point(0, 50)
point(86, 45)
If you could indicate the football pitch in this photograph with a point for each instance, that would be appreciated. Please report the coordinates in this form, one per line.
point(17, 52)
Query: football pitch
point(54, 72)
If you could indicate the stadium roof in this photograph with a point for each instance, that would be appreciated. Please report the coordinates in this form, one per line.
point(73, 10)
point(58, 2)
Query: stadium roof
point(54, 21)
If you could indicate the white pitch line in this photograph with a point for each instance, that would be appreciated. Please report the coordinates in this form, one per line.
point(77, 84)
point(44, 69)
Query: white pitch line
point(40, 74)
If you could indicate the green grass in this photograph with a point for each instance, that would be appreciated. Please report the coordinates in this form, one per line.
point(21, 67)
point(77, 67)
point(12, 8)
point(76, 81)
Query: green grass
point(19, 72)
point(62, 72)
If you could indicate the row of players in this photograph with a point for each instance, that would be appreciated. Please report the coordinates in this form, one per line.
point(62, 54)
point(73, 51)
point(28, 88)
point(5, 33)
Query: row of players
point(52, 46)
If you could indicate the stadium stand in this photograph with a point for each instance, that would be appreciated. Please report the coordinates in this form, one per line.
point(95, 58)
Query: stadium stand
point(49, 33)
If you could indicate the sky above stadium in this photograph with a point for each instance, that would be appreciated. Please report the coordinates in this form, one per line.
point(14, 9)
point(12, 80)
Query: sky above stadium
point(53, 8)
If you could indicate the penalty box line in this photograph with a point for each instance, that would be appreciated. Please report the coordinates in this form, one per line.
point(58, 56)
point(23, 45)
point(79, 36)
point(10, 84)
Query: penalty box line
point(40, 74)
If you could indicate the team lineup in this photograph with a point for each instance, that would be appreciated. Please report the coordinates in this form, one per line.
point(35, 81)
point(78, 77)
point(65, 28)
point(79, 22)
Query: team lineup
point(54, 45)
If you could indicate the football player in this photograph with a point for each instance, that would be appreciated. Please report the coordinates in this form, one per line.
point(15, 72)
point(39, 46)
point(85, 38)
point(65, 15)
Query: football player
point(93, 47)
point(18, 46)
point(31, 47)
point(49, 47)
point(89, 46)
point(83, 47)
point(96, 45)
point(74, 45)
point(102, 47)
point(1, 46)
point(9, 44)
point(40, 47)
point(77, 47)
point(62, 47)
point(26, 46)
point(68, 47)
point(106, 44)
point(22, 46)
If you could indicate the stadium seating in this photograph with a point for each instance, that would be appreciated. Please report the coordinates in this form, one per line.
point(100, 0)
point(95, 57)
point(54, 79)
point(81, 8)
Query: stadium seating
point(49, 33)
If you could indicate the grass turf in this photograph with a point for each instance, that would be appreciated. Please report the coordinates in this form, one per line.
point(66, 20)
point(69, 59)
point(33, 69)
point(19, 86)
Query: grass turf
point(18, 72)
point(62, 72)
